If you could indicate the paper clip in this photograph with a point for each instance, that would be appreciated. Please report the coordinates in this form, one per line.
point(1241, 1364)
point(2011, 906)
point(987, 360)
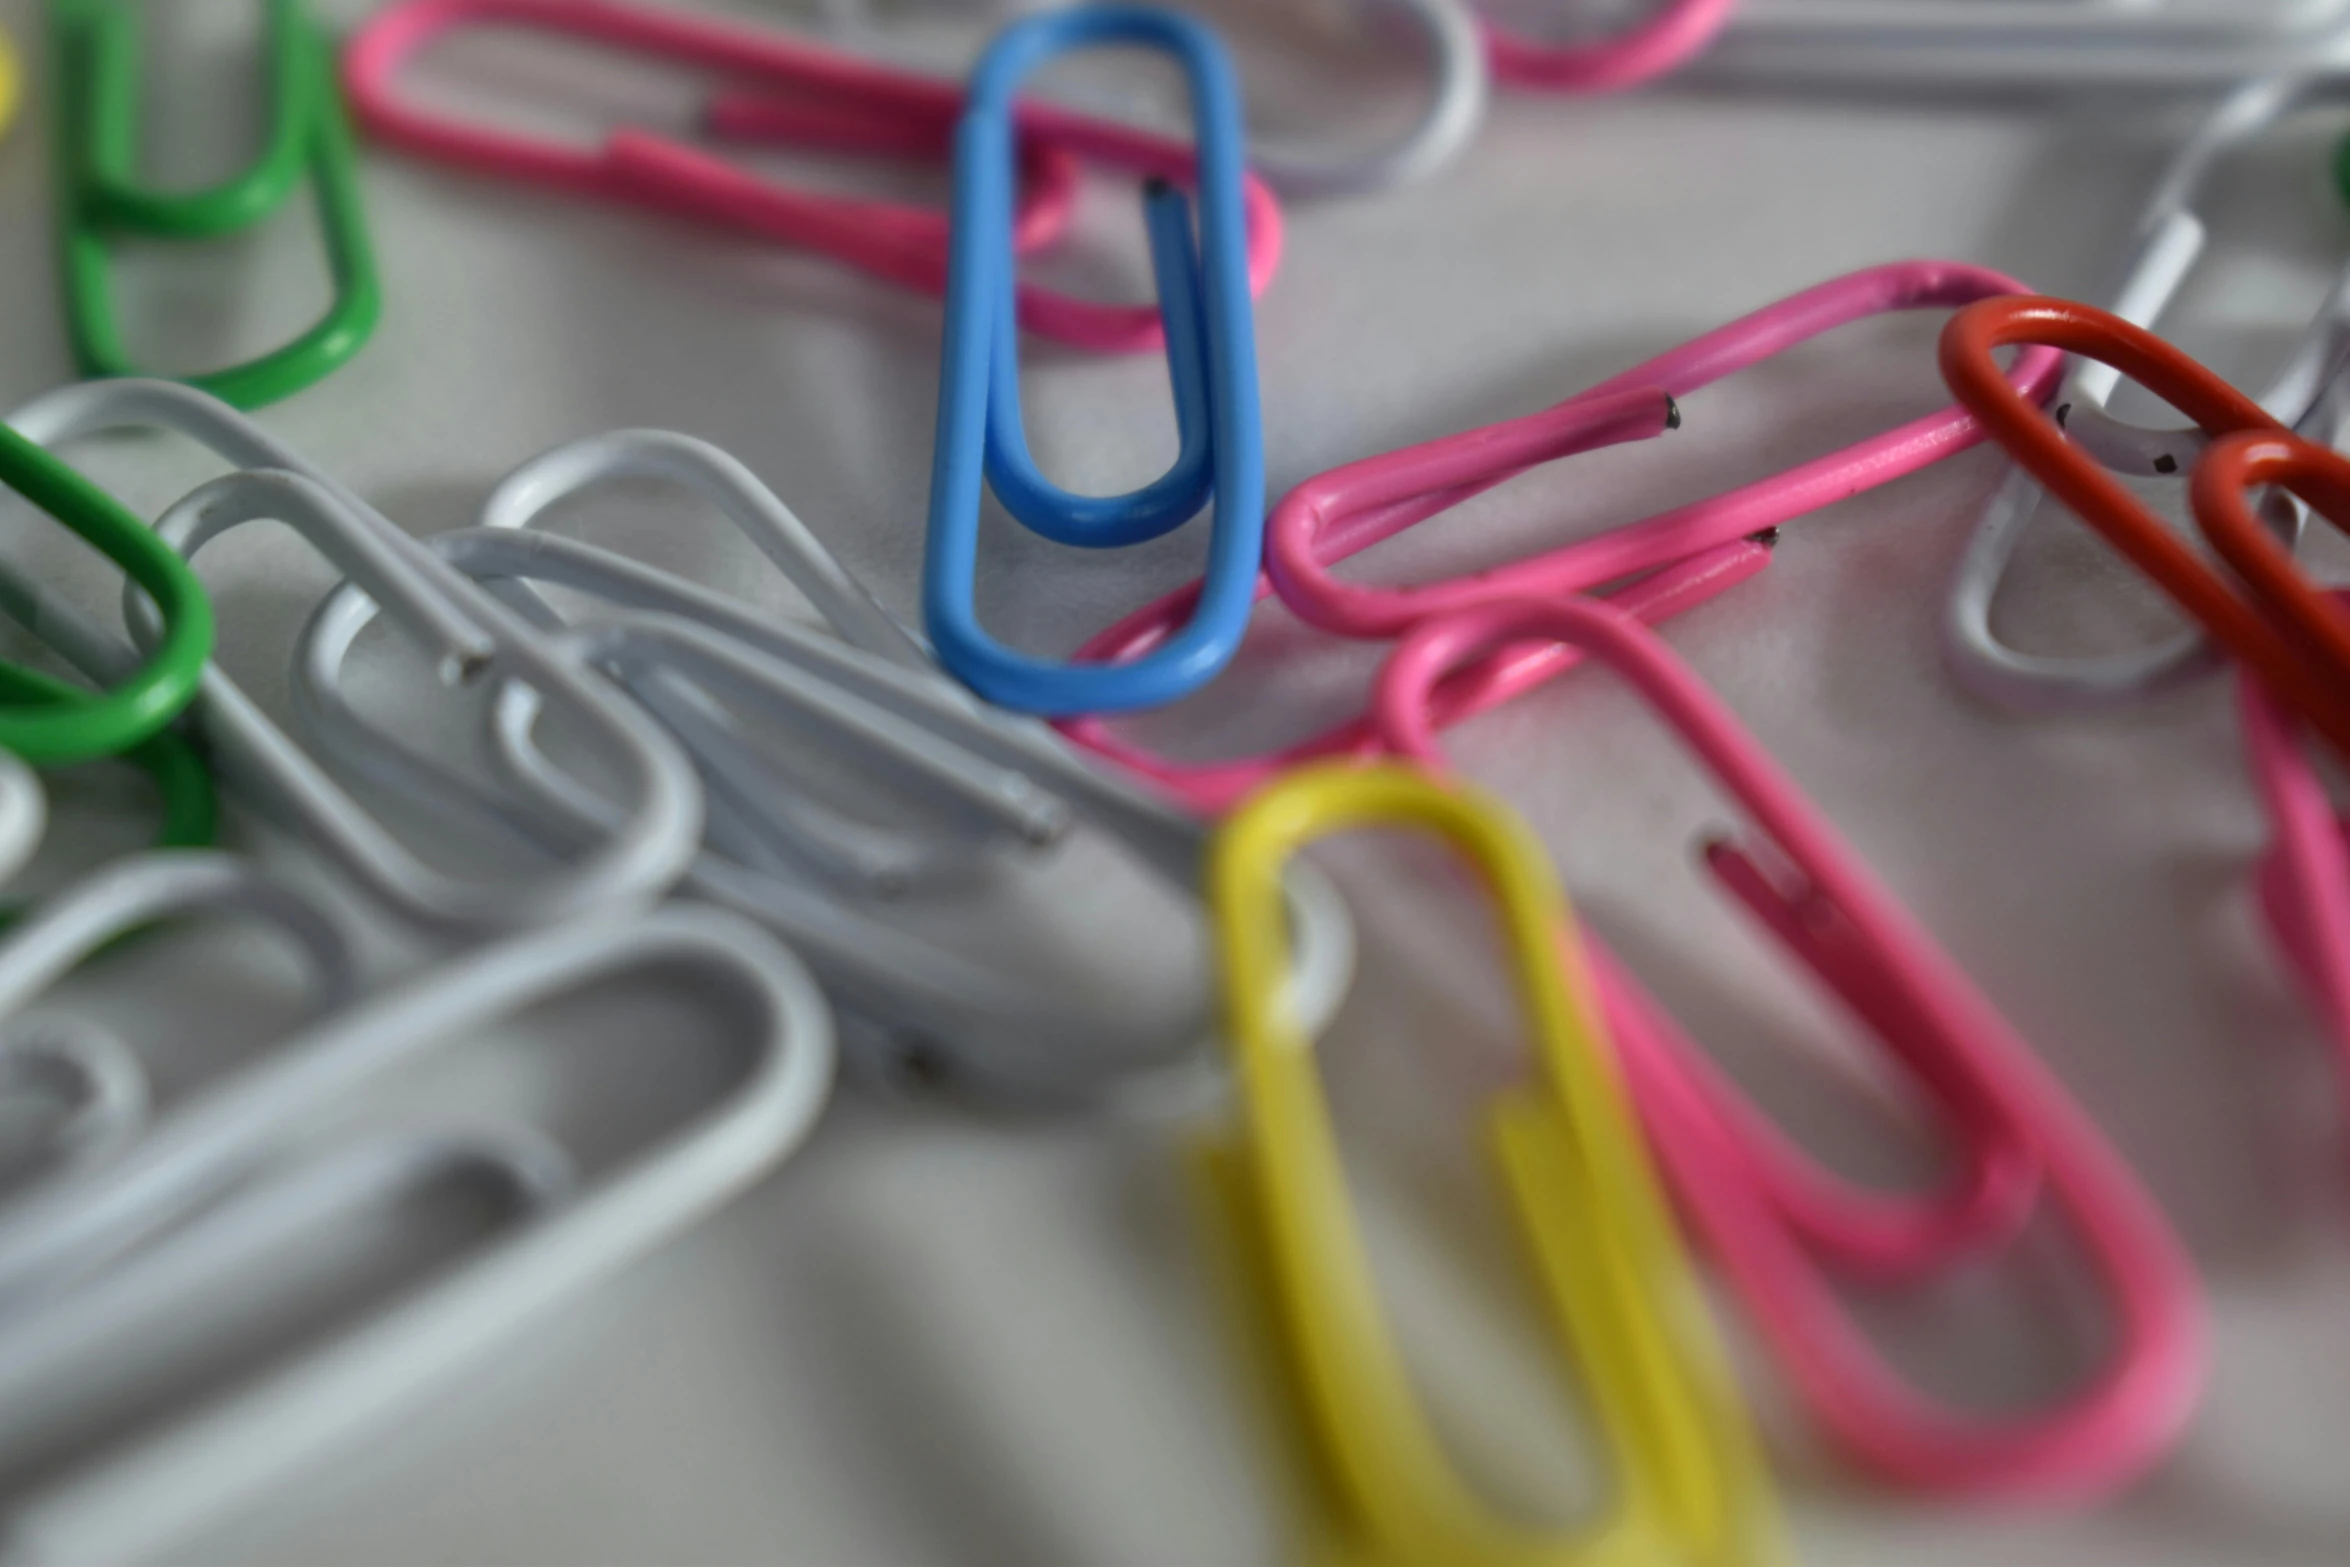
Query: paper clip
point(1905, 44)
point(2277, 625)
point(1769, 1215)
point(786, 91)
point(977, 784)
point(2170, 239)
point(97, 43)
point(1691, 553)
point(1663, 40)
point(1351, 508)
point(1211, 358)
point(471, 637)
point(265, 1162)
point(2304, 880)
point(8, 83)
point(1618, 1291)
point(76, 726)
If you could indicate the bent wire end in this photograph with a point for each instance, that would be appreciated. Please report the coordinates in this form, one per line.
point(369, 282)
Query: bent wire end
point(1672, 35)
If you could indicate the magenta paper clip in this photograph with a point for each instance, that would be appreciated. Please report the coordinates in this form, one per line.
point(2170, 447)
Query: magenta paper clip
point(1561, 431)
point(1666, 39)
point(2305, 877)
point(808, 96)
point(1774, 1221)
point(1351, 508)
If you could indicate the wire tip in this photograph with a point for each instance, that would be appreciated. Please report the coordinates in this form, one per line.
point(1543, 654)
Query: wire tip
point(1672, 413)
point(1768, 538)
point(1156, 186)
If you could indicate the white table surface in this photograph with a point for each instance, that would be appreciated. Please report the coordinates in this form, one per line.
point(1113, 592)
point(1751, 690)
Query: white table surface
point(941, 1337)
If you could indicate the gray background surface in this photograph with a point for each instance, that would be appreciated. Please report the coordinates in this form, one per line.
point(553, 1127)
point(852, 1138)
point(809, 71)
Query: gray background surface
point(935, 1337)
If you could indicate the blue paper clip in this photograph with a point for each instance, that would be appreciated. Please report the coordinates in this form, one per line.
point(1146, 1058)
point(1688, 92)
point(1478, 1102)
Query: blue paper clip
point(1211, 366)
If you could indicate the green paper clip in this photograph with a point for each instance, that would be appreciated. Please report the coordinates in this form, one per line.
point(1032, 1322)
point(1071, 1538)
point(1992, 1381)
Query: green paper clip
point(97, 43)
point(52, 730)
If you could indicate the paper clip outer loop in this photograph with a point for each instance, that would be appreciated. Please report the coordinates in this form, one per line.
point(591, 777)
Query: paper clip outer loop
point(834, 101)
point(1662, 41)
point(1205, 301)
point(97, 139)
point(1841, 921)
point(1618, 1288)
point(1352, 507)
point(2294, 644)
point(80, 727)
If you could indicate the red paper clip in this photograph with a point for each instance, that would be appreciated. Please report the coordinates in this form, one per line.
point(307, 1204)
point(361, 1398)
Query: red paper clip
point(1773, 1219)
point(2270, 617)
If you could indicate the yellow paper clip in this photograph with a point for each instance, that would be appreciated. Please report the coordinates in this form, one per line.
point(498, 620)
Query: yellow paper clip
point(1691, 1487)
point(8, 76)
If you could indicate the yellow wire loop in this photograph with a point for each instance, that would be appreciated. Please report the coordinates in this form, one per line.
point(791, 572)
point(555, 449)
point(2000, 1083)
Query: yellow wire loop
point(9, 76)
point(1618, 1288)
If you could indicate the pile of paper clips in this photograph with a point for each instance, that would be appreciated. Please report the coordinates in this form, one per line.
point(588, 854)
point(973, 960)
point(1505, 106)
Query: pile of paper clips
point(631, 758)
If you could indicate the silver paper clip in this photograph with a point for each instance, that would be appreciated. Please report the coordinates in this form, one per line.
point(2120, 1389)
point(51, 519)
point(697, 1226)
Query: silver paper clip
point(980, 787)
point(2169, 239)
point(471, 636)
point(255, 1168)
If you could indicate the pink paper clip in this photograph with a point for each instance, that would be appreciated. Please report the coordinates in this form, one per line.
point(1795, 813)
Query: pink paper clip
point(2305, 877)
point(807, 96)
point(1668, 38)
point(1577, 425)
point(1348, 509)
point(1694, 551)
point(1774, 1220)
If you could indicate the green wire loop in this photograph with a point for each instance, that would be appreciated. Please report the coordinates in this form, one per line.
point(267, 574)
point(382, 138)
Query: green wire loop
point(97, 43)
point(83, 726)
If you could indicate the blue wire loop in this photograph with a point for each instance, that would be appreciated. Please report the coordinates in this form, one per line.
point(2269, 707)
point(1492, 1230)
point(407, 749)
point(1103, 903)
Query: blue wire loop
point(1205, 305)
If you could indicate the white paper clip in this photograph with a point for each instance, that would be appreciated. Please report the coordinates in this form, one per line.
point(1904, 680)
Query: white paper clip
point(253, 1168)
point(980, 788)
